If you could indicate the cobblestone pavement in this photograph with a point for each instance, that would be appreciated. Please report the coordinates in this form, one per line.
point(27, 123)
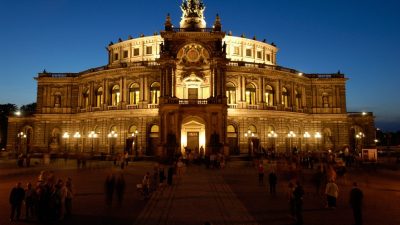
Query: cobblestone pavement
point(228, 196)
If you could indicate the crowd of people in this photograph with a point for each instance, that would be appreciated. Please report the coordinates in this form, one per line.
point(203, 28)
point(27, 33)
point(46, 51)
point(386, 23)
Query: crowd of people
point(324, 178)
point(50, 199)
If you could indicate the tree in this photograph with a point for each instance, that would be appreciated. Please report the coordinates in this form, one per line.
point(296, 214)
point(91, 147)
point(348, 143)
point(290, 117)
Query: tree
point(5, 111)
point(29, 109)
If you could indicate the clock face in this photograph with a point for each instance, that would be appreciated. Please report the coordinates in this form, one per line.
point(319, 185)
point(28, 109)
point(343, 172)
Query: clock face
point(193, 55)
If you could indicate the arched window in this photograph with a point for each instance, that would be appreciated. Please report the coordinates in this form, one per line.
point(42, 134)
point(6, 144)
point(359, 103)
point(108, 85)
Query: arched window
point(231, 131)
point(155, 93)
point(85, 98)
point(250, 94)
point(298, 99)
point(99, 97)
point(325, 100)
point(57, 99)
point(115, 95)
point(132, 130)
point(231, 93)
point(285, 97)
point(134, 94)
point(269, 95)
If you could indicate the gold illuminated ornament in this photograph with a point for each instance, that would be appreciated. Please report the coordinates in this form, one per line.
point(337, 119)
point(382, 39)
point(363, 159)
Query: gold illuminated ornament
point(192, 15)
point(193, 55)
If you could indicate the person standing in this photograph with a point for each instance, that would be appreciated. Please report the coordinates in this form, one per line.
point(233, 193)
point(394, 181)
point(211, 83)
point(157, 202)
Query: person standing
point(17, 196)
point(260, 173)
point(356, 199)
point(30, 197)
point(146, 185)
point(273, 180)
point(298, 194)
point(332, 193)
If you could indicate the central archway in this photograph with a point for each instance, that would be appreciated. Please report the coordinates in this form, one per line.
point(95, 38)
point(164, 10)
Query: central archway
point(193, 134)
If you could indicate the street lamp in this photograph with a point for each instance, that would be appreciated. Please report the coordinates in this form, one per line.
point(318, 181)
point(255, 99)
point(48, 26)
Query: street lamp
point(306, 136)
point(249, 135)
point(92, 135)
point(291, 135)
point(17, 114)
point(21, 136)
point(112, 136)
point(360, 137)
point(77, 136)
point(272, 136)
point(317, 136)
point(65, 137)
point(134, 137)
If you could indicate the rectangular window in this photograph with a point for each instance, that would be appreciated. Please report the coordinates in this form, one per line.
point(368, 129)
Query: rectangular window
point(125, 54)
point(236, 50)
point(248, 52)
point(116, 56)
point(136, 52)
point(268, 57)
point(149, 50)
point(259, 54)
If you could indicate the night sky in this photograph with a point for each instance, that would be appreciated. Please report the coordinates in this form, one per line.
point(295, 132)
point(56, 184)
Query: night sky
point(359, 38)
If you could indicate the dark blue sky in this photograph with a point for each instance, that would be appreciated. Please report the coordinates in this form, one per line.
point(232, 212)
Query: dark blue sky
point(358, 37)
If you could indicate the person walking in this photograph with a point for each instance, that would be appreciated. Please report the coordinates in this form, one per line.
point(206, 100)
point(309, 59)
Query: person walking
point(120, 188)
point(146, 185)
point(17, 196)
point(290, 197)
point(356, 199)
point(260, 173)
point(298, 194)
point(109, 185)
point(332, 193)
point(273, 180)
point(68, 197)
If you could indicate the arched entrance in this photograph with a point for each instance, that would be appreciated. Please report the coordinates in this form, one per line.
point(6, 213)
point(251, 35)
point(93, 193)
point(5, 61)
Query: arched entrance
point(153, 140)
point(193, 134)
point(232, 140)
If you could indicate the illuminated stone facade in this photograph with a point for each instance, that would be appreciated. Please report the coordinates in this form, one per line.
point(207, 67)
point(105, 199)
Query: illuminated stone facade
point(190, 87)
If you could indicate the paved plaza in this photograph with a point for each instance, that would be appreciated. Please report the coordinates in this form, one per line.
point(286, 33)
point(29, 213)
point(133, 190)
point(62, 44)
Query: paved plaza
point(219, 196)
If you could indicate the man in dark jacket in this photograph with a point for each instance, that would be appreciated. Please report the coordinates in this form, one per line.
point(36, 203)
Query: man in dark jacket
point(356, 197)
point(17, 196)
point(273, 179)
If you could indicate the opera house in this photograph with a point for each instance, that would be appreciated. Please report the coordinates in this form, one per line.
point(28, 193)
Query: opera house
point(189, 87)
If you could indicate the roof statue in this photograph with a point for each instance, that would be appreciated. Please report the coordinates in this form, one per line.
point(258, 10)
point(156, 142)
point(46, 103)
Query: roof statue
point(193, 14)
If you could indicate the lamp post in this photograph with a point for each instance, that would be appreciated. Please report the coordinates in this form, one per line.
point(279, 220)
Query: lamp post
point(17, 114)
point(291, 135)
point(249, 135)
point(92, 135)
point(306, 136)
point(112, 136)
point(65, 137)
point(272, 136)
point(77, 136)
point(134, 137)
point(21, 136)
point(360, 137)
point(317, 136)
